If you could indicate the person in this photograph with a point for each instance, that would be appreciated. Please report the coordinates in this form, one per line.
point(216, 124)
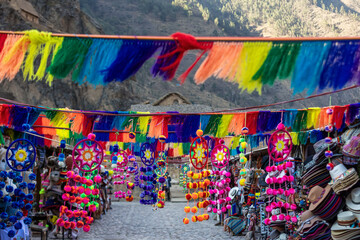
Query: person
point(168, 186)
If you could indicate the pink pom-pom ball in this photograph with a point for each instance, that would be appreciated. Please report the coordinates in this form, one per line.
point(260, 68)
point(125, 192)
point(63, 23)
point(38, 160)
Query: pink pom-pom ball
point(228, 180)
point(215, 191)
point(281, 217)
point(294, 219)
point(228, 206)
point(269, 181)
point(293, 207)
point(279, 204)
point(127, 175)
point(223, 181)
point(97, 179)
point(87, 191)
point(219, 212)
point(287, 217)
point(289, 164)
point(213, 202)
point(214, 210)
point(274, 204)
point(122, 177)
point(91, 136)
point(228, 174)
point(223, 209)
point(287, 205)
point(276, 192)
point(286, 193)
point(70, 174)
point(267, 221)
point(228, 189)
point(268, 169)
point(273, 168)
point(221, 201)
point(217, 172)
point(269, 191)
point(292, 191)
point(274, 217)
point(221, 185)
point(274, 179)
point(291, 178)
point(281, 191)
point(268, 208)
point(211, 191)
point(209, 209)
point(279, 167)
point(280, 180)
point(228, 199)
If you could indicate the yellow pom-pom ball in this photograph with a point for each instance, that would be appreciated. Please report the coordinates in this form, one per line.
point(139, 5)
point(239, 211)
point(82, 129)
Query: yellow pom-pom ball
point(186, 221)
point(200, 218)
point(194, 209)
point(194, 219)
point(242, 182)
point(243, 160)
point(243, 172)
point(162, 138)
point(199, 132)
point(111, 172)
point(195, 176)
point(241, 155)
point(243, 145)
point(206, 216)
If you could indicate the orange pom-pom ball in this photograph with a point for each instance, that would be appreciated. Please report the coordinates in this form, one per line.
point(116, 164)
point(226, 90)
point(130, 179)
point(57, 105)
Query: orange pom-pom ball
point(206, 182)
point(186, 221)
point(189, 185)
point(206, 216)
point(195, 196)
point(206, 203)
point(194, 209)
point(187, 209)
point(201, 194)
point(196, 176)
point(201, 205)
point(190, 173)
point(194, 218)
point(200, 218)
point(207, 194)
point(79, 224)
point(199, 132)
point(188, 196)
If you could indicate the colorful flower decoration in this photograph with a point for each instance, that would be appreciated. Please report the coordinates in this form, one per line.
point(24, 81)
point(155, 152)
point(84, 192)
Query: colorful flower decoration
point(162, 164)
point(220, 156)
point(147, 154)
point(280, 144)
point(120, 158)
point(88, 154)
point(199, 152)
point(21, 155)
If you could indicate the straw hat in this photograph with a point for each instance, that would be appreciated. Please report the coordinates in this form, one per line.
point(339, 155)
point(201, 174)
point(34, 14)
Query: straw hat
point(343, 179)
point(353, 199)
point(345, 221)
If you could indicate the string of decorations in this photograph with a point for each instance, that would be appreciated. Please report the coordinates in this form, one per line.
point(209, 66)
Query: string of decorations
point(310, 64)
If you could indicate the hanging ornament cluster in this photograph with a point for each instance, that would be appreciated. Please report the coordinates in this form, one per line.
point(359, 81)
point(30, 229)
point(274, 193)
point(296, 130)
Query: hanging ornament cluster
point(279, 178)
point(161, 164)
point(198, 187)
point(183, 178)
point(148, 177)
point(119, 160)
point(80, 190)
point(14, 196)
point(220, 157)
point(243, 160)
point(328, 140)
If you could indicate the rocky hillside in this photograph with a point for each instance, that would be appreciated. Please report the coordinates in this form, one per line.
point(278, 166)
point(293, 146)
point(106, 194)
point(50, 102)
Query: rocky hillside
point(159, 17)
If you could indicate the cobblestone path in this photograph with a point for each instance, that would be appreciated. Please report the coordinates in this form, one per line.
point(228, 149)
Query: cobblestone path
point(132, 221)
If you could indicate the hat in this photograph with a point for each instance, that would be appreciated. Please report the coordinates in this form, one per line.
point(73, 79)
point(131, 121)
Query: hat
point(351, 151)
point(316, 195)
point(317, 175)
point(308, 219)
point(321, 146)
point(343, 179)
point(233, 192)
point(353, 199)
point(345, 221)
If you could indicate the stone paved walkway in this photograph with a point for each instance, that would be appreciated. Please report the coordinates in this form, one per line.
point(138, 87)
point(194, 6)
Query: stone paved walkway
point(132, 221)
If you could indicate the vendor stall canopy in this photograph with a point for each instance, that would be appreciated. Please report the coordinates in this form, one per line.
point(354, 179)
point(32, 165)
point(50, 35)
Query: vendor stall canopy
point(312, 64)
point(177, 128)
